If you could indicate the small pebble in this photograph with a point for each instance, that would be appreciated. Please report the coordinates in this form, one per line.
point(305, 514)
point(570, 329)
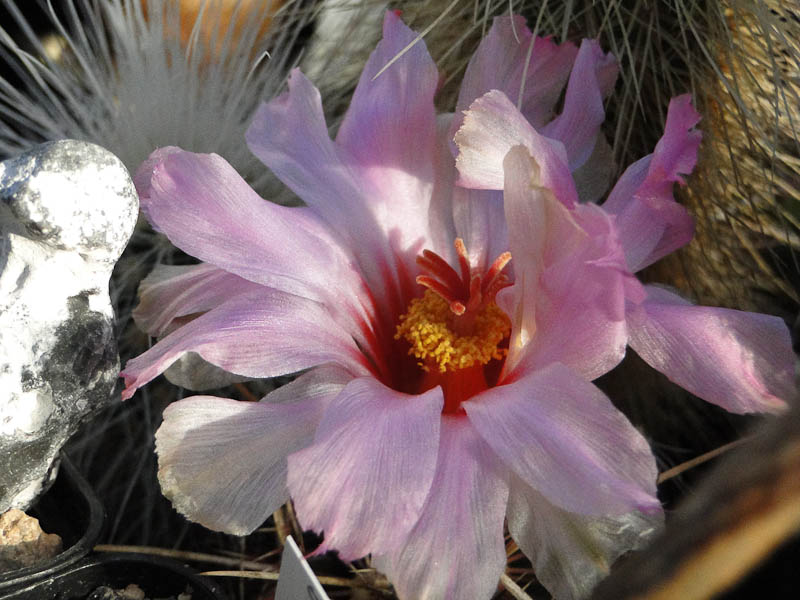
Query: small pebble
point(22, 541)
point(131, 592)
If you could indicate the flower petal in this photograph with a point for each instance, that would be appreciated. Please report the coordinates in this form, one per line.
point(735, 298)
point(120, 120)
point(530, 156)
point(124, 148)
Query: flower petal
point(578, 125)
point(676, 152)
point(374, 184)
point(193, 373)
point(207, 210)
point(389, 136)
point(740, 361)
point(571, 553)
point(440, 213)
point(222, 463)
point(456, 549)
point(323, 382)
point(651, 224)
point(170, 296)
point(170, 291)
point(564, 438)
point(379, 169)
point(289, 135)
point(481, 223)
point(649, 229)
point(265, 334)
point(492, 126)
point(500, 60)
point(568, 301)
point(365, 478)
point(593, 178)
point(390, 127)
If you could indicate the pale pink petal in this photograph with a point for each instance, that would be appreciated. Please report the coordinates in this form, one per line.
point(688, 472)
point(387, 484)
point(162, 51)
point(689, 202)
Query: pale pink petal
point(492, 126)
point(289, 135)
point(568, 301)
point(377, 177)
point(207, 210)
point(625, 188)
point(593, 178)
point(571, 553)
point(578, 125)
point(456, 549)
point(144, 174)
point(170, 296)
point(564, 438)
point(500, 60)
point(676, 152)
point(650, 228)
point(675, 155)
point(170, 291)
point(475, 216)
point(481, 223)
point(579, 304)
point(650, 222)
point(440, 212)
point(390, 127)
point(222, 463)
point(323, 382)
point(375, 182)
point(364, 479)
point(193, 373)
point(258, 335)
point(741, 361)
point(389, 138)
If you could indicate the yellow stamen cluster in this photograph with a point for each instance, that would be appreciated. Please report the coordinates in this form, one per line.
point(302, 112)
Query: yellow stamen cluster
point(426, 326)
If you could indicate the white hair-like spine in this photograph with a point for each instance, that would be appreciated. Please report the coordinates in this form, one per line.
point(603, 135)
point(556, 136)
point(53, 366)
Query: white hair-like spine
point(123, 78)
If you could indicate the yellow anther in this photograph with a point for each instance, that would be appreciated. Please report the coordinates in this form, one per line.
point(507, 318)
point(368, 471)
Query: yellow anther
point(427, 328)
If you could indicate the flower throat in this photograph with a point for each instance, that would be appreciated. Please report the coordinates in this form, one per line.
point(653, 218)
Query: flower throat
point(455, 329)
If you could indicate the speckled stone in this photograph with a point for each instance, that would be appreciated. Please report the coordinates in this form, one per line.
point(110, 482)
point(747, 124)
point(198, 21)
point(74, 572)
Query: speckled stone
point(67, 209)
point(22, 541)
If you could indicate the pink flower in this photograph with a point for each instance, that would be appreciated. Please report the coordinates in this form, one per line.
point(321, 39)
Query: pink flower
point(437, 398)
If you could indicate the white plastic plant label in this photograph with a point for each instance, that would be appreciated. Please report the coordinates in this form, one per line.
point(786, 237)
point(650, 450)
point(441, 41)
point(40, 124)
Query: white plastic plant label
point(296, 580)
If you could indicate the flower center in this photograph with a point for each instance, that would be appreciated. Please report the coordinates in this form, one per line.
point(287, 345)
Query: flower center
point(456, 328)
point(430, 328)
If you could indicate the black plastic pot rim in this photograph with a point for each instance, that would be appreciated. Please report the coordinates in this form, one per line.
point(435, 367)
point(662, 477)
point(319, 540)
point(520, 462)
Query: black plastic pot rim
point(117, 570)
point(95, 516)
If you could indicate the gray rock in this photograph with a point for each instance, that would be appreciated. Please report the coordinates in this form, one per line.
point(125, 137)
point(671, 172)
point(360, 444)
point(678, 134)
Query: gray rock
point(67, 209)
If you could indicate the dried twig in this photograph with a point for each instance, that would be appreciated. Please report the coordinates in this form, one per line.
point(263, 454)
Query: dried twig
point(188, 556)
point(699, 460)
point(513, 589)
